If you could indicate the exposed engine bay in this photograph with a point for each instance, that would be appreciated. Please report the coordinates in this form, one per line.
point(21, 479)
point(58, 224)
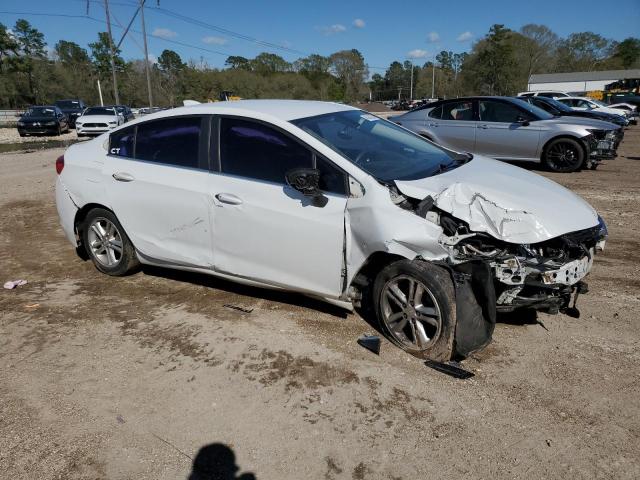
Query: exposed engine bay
point(491, 275)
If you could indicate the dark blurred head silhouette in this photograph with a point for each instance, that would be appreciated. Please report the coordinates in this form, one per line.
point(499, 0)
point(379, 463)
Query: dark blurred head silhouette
point(216, 461)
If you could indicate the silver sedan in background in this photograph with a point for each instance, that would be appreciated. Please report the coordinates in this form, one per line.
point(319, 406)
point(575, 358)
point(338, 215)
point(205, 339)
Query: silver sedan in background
point(510, 129)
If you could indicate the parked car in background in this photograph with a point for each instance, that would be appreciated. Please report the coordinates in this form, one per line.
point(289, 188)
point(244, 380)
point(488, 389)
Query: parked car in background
point(72, 108)
point(125, 112)
point(554, 107)
point(506, 128)
point(43, 120)
point(147, 110)
point(331, 201)
point(588, 104)
point(97, 120)
point(544, 93)
point(607, 127)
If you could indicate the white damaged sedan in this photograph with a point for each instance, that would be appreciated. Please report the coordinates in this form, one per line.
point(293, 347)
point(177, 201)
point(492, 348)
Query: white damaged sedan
point(331, 201)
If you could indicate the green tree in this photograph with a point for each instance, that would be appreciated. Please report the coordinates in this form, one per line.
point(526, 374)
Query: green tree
point(101, 56)
point(170, 62)
point(351, 70)
point(628, 52)
point(495, 66)
point(268, 63)
point(70, 53)
point(31, 45)
point(236, 61)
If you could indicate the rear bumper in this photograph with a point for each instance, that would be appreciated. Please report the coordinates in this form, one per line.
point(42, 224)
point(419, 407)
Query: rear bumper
point(67, 210)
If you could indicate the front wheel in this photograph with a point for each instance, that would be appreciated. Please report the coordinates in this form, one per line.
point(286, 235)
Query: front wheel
point(415, 306)
point(564, 155)
point(107, 244)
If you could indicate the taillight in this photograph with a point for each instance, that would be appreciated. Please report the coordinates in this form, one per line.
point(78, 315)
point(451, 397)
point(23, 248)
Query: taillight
point(59, 164)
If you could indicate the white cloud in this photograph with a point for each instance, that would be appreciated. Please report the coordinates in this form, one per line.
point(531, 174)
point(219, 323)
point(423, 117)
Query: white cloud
point(153, 59)
point(433, 37)
point(211, 40)
point(359, 23)
point(417, 53)
point(164, 33)
point(465, 36)
point(335, 28)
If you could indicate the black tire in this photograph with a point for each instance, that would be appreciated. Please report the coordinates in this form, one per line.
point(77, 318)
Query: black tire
point(440, 292)
point(120, 264)
point(23, 134)
point(564, 155)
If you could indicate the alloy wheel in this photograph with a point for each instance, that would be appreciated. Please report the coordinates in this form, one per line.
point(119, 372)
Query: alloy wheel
point(411, 312)
point(563, 155)
point(105, 242)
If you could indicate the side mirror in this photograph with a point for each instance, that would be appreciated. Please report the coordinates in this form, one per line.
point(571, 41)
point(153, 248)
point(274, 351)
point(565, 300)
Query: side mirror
point(307, 181)
point(522, 121)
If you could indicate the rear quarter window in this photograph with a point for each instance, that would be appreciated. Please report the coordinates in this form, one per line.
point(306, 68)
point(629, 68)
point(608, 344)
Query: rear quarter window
point(121, 143)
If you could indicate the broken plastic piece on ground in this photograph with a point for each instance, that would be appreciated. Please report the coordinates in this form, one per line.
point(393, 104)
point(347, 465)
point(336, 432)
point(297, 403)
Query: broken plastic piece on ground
point(450, 368)
point(239, 308)
point(14, 283)
point(370, 342)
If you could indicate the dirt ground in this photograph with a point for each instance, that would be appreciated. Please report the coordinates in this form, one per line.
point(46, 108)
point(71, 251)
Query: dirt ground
point(146, 376)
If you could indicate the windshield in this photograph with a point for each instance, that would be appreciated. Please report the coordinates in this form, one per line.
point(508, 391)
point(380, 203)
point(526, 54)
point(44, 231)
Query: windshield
point(68, 104)
point(558, 105)
point(41, 112)
point(380, 148)
point(535, 111)
point(99, 111)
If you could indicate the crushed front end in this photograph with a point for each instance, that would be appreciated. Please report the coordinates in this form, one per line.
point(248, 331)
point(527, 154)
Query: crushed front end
point(542, 276)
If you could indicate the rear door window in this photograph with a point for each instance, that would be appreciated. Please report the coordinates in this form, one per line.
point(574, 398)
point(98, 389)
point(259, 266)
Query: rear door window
point(172, 141)
point(458, 111)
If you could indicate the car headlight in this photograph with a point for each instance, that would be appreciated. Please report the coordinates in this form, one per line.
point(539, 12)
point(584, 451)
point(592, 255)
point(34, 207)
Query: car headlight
point(21, 124)
point(611, 135)
point(603, 233)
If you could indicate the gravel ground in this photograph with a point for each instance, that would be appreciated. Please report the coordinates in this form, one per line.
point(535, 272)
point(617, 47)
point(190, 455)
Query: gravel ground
point(146, 376)
point(10, 135)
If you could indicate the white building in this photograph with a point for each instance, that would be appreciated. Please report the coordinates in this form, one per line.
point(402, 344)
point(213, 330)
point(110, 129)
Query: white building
point(579, 81)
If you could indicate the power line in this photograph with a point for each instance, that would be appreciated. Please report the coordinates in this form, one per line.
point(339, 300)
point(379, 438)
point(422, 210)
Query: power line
point(175, 42)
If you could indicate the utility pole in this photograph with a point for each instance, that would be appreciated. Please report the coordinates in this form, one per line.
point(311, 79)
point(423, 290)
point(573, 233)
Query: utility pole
point(433, 80)
point(411, 91)
point(100, 94)
point(146, 54)
point(113, 53)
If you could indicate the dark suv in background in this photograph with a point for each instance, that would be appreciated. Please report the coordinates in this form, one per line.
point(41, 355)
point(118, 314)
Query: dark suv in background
point(72, 108)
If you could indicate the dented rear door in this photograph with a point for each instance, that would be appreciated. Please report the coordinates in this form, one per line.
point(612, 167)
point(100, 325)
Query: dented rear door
point(160, 192)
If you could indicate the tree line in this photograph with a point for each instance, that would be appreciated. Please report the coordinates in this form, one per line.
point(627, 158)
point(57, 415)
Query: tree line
point(500, 63)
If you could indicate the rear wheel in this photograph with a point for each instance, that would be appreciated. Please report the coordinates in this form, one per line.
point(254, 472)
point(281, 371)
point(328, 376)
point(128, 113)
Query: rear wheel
point(415, 306)
point(564, 155)
point(107, 244)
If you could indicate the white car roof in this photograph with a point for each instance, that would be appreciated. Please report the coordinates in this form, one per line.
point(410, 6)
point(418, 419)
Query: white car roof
point(285, 110)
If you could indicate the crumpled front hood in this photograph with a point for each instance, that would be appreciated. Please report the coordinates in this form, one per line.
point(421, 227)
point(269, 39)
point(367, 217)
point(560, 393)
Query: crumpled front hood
point(507, 202)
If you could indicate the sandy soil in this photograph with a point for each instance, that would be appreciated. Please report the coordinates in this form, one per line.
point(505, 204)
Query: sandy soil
point(146, 376)
point(10, 135)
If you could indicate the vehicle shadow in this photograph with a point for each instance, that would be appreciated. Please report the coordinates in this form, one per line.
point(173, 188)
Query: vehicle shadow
point(209, 281)
point(217, 461)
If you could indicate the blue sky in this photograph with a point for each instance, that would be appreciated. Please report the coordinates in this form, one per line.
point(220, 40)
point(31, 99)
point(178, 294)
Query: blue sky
point(382, 31)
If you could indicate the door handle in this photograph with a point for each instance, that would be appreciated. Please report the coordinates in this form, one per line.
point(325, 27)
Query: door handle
point(228, 198)
point(433, 124)
point(483, 126)
point(123, 177)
